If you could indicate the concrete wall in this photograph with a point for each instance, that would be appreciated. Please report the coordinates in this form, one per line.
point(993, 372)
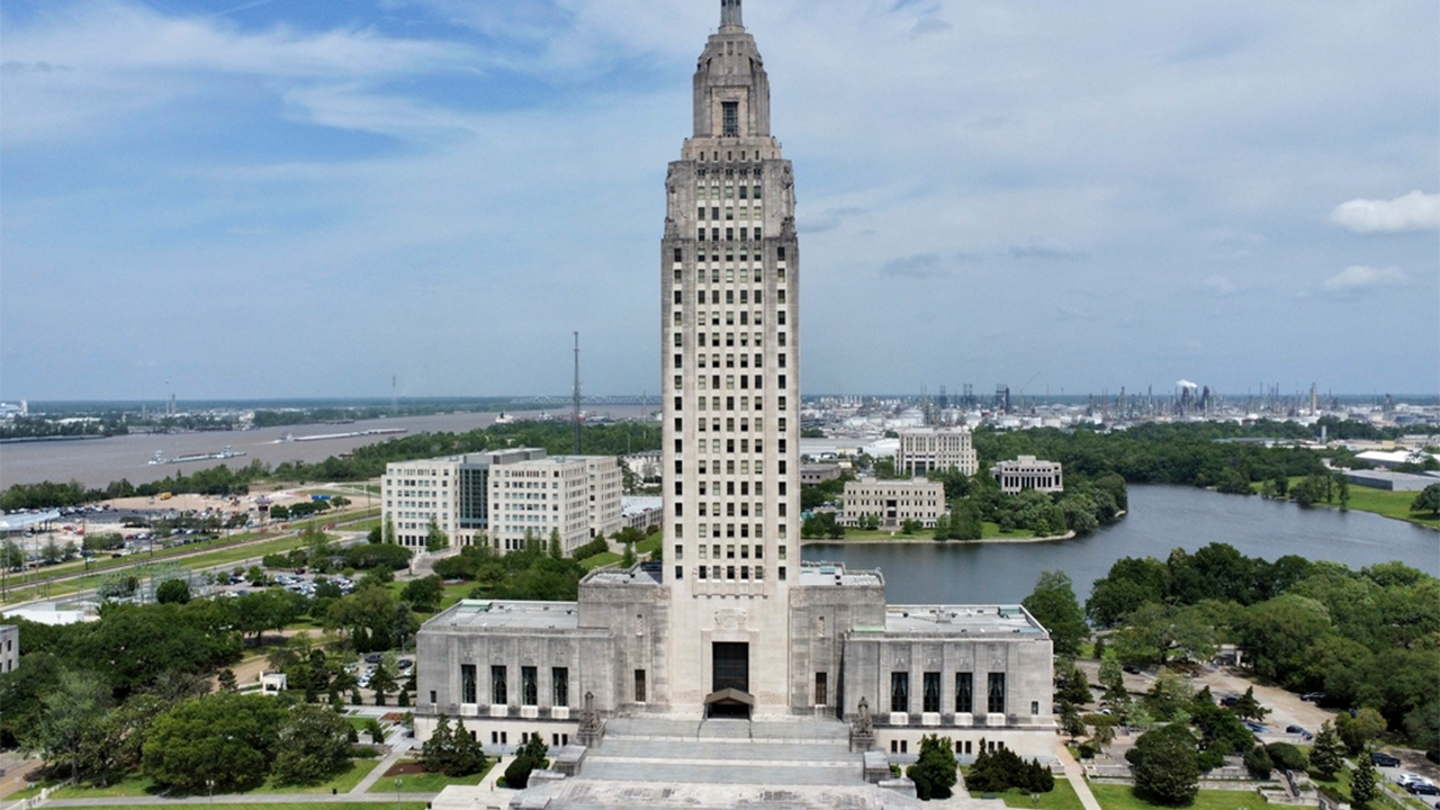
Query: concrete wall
point(9, 647)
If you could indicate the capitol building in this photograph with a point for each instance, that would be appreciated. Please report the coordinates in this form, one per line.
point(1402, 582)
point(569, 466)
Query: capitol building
point(732, 638)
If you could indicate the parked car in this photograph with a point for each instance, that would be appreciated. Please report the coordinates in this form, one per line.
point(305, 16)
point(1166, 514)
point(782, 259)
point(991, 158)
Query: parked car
point(1255, 727)
point(1314, 697)
point(1433, 756)
point(372, 658)
point(1384, 760)
point(405, 663)
point(1423, 789)
point(1132, 669)
point(1299, 730)
point(1229, 700)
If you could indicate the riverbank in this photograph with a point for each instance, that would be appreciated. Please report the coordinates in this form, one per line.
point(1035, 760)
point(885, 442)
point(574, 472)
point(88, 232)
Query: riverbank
point(902, 539)
point(1383, 502)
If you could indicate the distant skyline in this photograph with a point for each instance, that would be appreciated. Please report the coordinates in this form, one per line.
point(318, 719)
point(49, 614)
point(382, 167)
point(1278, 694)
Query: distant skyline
point(280, 199)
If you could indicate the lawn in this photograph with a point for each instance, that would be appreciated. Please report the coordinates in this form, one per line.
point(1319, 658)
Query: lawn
point(263, 806)
point(1119, 797)
point(1376, 501)
point(600, 560)
point(425, 782)
point(143, 786)
point(1061, 798)
point(1340, 786)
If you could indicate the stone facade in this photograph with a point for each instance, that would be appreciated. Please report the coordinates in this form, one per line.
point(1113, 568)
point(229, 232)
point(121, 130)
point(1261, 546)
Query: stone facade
point(925, 450)
point(1028, 472)
point(732, 624)
point(893, 502)
point(9, 647)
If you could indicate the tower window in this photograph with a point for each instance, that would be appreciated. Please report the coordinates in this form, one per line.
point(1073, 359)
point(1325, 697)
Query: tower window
point(730, 111)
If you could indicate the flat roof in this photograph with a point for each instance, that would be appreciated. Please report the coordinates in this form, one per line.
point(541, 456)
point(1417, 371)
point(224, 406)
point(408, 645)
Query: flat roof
point(499, 614)
point(643, 574)
point(828, 573)
point(967, 620)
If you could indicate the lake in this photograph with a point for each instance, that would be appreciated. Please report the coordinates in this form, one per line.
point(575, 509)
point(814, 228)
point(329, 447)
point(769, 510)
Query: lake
point(1161, 518)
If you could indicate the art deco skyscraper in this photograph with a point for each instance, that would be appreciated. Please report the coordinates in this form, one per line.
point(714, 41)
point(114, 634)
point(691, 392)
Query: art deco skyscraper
point(731, 363)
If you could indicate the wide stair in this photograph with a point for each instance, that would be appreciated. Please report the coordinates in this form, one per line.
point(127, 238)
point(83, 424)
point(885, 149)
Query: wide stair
point(800, 751)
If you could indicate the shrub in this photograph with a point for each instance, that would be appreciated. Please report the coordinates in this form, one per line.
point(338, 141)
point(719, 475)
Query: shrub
point(1257, 762)
point(1284, 755)
point(998, 771)
point(934, 773)
point(517, 775)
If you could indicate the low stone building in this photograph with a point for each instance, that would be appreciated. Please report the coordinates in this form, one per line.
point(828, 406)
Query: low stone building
point(893, 502)
point(1028, 472)
point(561, 669)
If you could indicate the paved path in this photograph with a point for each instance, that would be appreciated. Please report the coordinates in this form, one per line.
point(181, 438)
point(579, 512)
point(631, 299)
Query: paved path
point(378, 771)
point(1076, 775)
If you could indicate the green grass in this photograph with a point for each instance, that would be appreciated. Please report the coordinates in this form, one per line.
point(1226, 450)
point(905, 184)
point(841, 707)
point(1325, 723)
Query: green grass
point(599, 560)
point(648, 545)
point(143, 786)
point(1120, 797)
point(202, 805)
point(1061, 798)
point(426, 782)
point(1381, 502)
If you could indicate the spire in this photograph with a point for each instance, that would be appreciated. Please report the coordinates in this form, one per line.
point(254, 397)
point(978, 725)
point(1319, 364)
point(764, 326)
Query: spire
point(730, 15)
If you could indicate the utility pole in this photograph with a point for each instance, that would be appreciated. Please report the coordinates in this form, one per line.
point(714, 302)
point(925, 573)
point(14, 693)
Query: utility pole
point(576, 404)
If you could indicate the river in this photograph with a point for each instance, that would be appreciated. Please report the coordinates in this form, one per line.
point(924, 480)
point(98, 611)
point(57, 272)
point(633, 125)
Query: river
point(1160, 519)
point(97, 462)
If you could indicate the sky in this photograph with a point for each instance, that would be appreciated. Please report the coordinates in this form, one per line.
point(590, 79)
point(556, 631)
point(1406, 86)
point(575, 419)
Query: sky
point(283, 198)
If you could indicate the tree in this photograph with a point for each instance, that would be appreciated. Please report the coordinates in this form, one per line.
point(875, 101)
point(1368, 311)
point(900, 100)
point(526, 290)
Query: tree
point(935, 771)
point(376, 731)
point(1258, 763)
point(313, 744)
point(225, 737)
point(1002, 769)
point(382, 682)
point(388, 532)
point(557, 551)
point(627, 557)
point(435, 539)
point(1428, 501)
point(1328, 755)
point(1054, 605)
point(1248, 707)
point(1164, 765)
point(367, 616)
point(424, 594)
point(226, 680)
point(173, 591)
point(66, 719)
point(1364, 784)
point(1355, 732)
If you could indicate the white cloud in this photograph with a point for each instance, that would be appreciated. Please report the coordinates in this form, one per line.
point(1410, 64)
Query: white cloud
point(1358, 278)
point(1220, 285)
point(1416, 211)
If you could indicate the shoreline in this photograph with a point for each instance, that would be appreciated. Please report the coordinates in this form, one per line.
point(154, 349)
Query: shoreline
point(903, 540)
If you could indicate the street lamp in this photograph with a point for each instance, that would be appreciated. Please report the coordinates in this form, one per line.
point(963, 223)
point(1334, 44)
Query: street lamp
point(210, 786)
point(398, 781)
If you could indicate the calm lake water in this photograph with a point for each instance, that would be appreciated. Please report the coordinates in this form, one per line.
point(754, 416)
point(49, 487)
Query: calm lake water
point(1160, 519)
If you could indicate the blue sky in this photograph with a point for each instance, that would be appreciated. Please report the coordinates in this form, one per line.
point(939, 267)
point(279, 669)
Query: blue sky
point(291, 198)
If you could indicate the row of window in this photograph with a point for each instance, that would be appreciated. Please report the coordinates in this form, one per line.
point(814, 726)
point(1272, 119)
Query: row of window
point(529, 686)
point(964, 692)
point(707, 529)
point(730, 234)
point(728, 573)
point(714, 382)
point(730, 214)
point(714, 403)
point(713, 316)
point(713, 339)
point(714, 190)
point(730, 360)
point(679, 255)
point(729, 297)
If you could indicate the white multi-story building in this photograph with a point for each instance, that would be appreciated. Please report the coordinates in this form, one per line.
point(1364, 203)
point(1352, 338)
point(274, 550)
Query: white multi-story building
point(925, 450)
point(1028, 472)
point(9, 647)
point(468, 497)
point(893, 502)
point(533, 498)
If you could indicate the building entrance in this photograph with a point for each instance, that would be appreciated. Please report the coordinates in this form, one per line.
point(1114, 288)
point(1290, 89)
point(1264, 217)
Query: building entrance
point(730, 684)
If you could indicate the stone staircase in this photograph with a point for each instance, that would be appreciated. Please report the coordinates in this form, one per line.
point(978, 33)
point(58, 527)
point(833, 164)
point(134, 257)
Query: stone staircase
point(800, 751)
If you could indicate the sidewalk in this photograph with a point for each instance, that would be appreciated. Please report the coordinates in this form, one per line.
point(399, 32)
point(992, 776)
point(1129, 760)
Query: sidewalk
point(1076, 775)
point(374, 776)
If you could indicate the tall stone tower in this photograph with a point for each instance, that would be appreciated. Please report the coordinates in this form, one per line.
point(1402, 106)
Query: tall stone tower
point(730, 352)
